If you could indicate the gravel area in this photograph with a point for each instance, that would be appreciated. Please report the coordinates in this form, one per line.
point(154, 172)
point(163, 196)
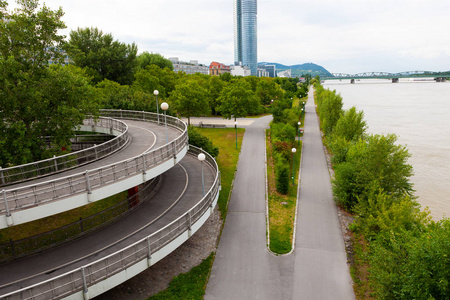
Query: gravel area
point(158, 277)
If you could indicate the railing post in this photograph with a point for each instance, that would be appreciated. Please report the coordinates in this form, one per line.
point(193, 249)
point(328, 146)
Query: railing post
point(144, 165)
point(190, 224)
point(85, 288)
point(95, 149)
point(111, 127)
point(88, 185)
point(91, 120)
point(149, 258)
point(1, 174)
point(174, 149)
point(9, 220)
point(56, 163)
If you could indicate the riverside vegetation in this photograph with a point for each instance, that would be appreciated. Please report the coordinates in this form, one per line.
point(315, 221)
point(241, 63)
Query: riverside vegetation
point(399, 252)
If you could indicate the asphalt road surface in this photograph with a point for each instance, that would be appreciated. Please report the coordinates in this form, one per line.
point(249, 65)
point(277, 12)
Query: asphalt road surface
point(317, 268)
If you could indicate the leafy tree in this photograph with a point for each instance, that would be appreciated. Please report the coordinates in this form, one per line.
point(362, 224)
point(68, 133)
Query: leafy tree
point(189, 99)
point(379, 212)
point(330, 110)
point(154, 78)
point(375, 158)
point(35, 100)
point(252, 81)
point(105, 57)
point(144, 59)
point(412, 264)
point(238, 100)
point(349, 128)
point(268, 90)
point(215, 86)
point(351, 125)
point(226, 77)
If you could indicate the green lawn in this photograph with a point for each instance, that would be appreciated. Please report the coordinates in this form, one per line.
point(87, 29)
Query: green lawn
point(225, 139)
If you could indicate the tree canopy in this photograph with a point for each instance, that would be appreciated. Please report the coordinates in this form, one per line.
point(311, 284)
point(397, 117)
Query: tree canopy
point(144, 59)
point(37, 101)
point(189, 99)
point(105, 57)
point(238, 100)
point(375, 158)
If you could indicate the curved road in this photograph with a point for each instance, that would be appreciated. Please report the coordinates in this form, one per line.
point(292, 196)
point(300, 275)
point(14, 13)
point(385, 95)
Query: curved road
point(317, 269)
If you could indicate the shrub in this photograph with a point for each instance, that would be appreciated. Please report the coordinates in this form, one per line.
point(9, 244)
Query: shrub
point(282, 172)
point(199, 140)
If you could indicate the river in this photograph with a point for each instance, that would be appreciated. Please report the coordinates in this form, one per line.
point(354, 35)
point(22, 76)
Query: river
point(419, 114)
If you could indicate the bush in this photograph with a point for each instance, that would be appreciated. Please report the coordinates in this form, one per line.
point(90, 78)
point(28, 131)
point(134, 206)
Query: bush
point(199, 140)
point(412, 264)
point(282, 171)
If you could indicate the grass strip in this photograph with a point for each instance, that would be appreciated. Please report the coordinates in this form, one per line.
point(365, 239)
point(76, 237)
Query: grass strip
point(225, 139)
point(190, 285)
point(281, 208)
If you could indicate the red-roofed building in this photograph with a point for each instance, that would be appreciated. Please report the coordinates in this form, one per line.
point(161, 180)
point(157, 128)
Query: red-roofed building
point(216, 69)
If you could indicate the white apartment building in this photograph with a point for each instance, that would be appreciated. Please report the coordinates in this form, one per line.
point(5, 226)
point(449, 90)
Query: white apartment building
point(191, 67)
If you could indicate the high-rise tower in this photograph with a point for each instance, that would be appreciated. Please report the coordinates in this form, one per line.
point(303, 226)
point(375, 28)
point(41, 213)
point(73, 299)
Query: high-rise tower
point(245, 43)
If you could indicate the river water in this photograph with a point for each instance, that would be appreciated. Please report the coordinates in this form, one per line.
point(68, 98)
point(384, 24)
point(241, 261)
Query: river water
point(419, 114)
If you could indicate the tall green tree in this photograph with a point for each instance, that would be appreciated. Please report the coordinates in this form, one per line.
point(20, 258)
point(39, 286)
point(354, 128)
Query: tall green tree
point(144, 59)
point(190, 99)
point(37, 101)
point(330, 109)
point(215, 86)
point(153, 78)
point(268, 90)
point(238, 100)
point(349, 128)
point(105, 57)
point(375, 158)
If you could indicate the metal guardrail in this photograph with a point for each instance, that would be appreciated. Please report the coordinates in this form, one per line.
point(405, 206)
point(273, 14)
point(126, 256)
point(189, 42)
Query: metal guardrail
point(61, 163)
point(36, 194)
point(80, 279)
point(19, 248)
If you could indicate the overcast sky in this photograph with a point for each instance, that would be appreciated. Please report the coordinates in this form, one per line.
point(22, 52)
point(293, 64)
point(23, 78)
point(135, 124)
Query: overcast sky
point(344, 36)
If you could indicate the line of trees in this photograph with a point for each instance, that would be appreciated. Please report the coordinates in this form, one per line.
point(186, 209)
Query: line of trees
point(38, 99)
point(283, 130)
point(407, 254)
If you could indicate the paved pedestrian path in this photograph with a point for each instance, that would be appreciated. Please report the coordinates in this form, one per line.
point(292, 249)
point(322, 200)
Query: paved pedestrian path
point(317, 269)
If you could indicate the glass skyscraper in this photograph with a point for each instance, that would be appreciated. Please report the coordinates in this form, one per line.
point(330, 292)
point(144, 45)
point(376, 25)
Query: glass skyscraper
point(245, 43)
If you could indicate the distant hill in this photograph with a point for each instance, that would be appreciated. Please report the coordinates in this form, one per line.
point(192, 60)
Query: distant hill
point(297, 70)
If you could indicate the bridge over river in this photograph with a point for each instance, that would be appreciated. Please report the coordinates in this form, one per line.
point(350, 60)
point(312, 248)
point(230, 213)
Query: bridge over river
point(177, 193)
point(437, 76)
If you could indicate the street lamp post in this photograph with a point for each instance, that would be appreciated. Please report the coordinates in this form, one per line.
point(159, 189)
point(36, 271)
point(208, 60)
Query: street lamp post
point(164, 107)
point(156, 92)
point(201, 157)
point(298, 133)
point(293, 170)
point(235, 127)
